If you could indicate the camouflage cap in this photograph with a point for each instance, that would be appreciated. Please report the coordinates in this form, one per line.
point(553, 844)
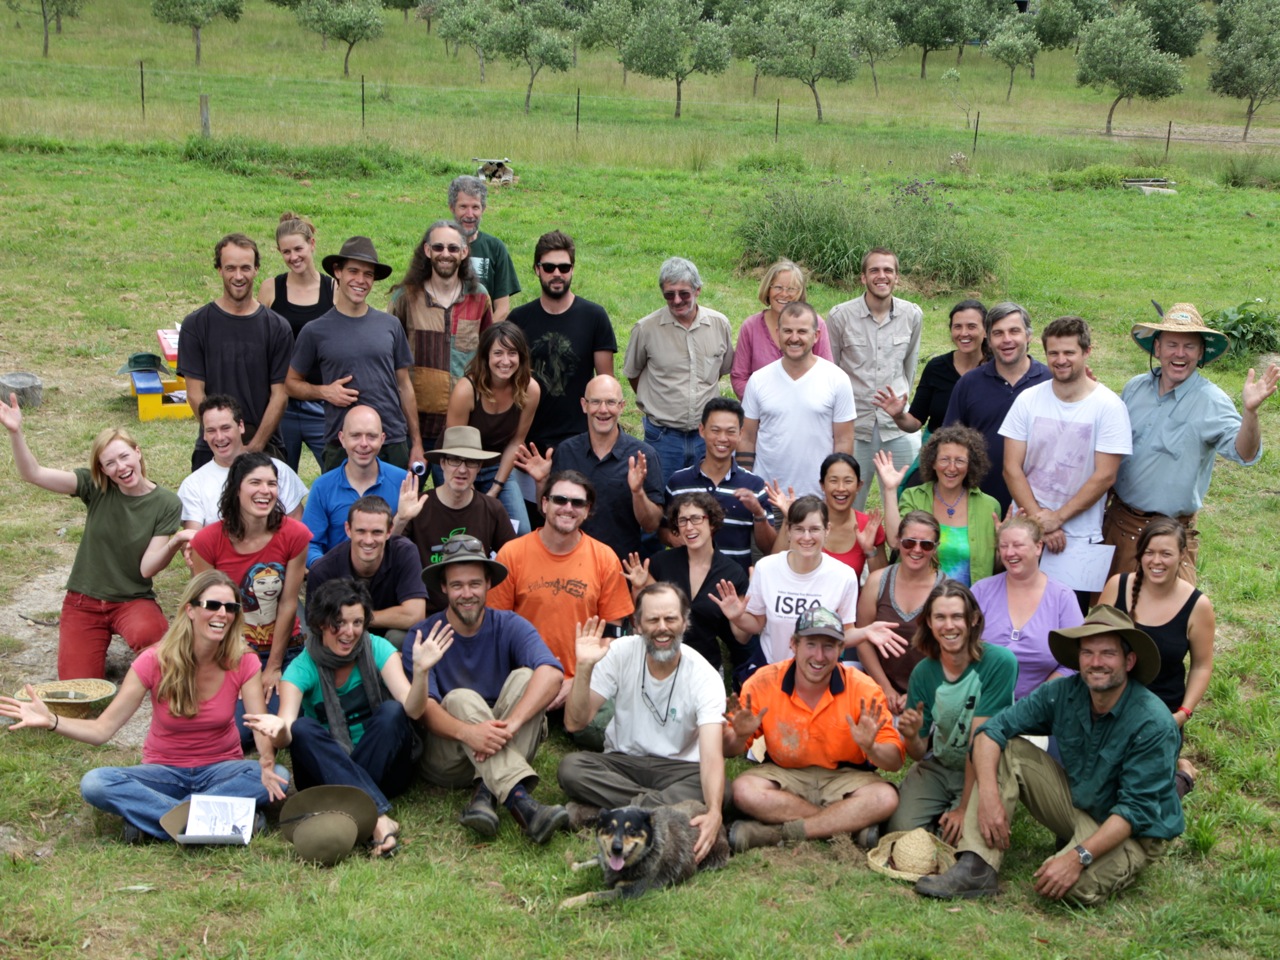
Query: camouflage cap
point(818, 621)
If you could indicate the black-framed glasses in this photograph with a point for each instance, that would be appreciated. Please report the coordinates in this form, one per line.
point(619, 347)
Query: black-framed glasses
point(215, 605)
point(693, 520)
point(677, 295)
point(442, 247)
point(560, 500)
point(911, 543)
point(546, 267)
point(456, 462)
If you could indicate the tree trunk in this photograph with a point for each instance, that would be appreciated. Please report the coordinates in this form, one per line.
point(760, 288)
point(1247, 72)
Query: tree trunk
point(346, 61)
point(406, 14)
point(1248, 120)
point(480, 57)
point(45, 16)
point(1110, 113)
point(624, 76)
point(679, 84)
point(874, 81)
point(924, 59)
point(575, 53)
point(1009, 92)
point(1033, 68)
point(528, 91)
point(57, 20)
point(196, 33)
point(959, 52)
point(428, 26)
point(755, 83)
point(814, 87)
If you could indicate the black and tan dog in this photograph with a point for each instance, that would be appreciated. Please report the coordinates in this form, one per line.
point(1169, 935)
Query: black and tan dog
point(642, 850)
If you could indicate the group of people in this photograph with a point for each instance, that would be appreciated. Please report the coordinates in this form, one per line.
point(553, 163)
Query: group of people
point(728, 549)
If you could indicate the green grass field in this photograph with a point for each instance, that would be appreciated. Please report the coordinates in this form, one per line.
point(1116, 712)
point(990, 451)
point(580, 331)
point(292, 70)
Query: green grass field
point(106, 233)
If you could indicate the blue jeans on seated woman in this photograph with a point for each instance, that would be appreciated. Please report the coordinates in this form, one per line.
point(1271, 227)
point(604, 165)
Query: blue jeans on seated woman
point(145, 793)
point(511, 498)
point(381, 764)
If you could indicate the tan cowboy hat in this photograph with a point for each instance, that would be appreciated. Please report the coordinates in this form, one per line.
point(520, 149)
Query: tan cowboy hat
point(1103, 619)
point(357, 248)
point(1182, 318)
point(325, 823)
point(462, 548)
point(911, 854)
point(463, 442)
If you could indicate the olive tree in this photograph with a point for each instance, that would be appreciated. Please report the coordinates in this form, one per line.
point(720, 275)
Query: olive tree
point(671, 41)
point(928, 24)
point(1015, 45)
point(49, 11)
point(875, 38)
point(810, 42)
point(608, 24)
point(196, 14)
point(350, 21)
point(1246, 62)
point(530, 33)
point(464, 23)
point(1178, 25)
point(1119, 53)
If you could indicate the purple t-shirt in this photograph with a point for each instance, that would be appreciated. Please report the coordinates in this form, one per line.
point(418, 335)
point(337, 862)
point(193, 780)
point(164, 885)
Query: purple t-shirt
point(1058, 609)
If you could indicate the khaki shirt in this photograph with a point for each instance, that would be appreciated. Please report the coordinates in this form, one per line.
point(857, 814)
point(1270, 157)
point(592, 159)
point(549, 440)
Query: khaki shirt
point(678, 370)
point(875, 356)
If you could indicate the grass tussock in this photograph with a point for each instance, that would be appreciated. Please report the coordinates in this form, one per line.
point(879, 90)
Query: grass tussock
point(249, 158)
point(827, 228)
point(1250, 170)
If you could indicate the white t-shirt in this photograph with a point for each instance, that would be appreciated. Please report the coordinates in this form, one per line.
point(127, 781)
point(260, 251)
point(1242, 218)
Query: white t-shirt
point(780, 594)
point(202, 490)
point(1061, 440)
point(796, 418)
point(693, 695)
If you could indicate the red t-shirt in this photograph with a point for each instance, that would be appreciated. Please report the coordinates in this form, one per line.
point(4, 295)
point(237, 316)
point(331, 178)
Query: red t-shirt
point(260, 576)
point(208, 737)
point(854, 557)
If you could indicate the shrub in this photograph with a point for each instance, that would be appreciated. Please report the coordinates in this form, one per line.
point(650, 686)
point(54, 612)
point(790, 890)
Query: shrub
point(1248, 171)
point(777, 161)
point(1097, 176)
point(245, 157)
point(1252, 327)
point(828, 227)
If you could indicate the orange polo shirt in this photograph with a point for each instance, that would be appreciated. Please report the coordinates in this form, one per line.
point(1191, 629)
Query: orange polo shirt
point(797, 736)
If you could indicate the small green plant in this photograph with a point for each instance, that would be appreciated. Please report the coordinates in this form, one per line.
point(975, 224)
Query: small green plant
point(1252, 327)
point(1202, 834)
point(1248, 171)
point(1097, 176)
point(777, 161)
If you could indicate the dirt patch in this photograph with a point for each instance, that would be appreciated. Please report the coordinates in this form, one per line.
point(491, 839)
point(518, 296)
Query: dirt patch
point(37, 658)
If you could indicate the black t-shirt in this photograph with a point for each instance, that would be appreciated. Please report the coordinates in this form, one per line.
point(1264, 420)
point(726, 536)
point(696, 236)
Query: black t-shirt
point(706, 621)
point(929, 405)
point(562, 347)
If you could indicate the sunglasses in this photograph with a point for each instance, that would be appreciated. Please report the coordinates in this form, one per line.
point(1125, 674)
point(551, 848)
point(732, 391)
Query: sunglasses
point(560, 500)
point(910, 543)
point(442, 247)
point(677, 295)
point(554, 267)
point(461, 545)
point(215, 605)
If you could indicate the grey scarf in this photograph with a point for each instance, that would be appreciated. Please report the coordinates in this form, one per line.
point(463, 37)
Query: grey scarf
point(327, 662)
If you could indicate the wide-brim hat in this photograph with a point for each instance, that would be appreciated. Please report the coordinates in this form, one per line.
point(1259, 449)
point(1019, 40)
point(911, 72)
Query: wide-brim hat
point(1105, 619)
point(314, 802)
point(138, 362)
point(463, 442)
point(462, 548)
point(911, 854)
point(326, 838)
point(1182, 318)
point(357, 248)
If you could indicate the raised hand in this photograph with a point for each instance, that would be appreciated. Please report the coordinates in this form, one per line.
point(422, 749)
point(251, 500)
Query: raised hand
point(1258, 390)
point(637, 470)
point(590, 644)
point(887, 643)
point(636, 571)
point(890, 476)
point(889, 402)
point(869, 723)
point(11, 413)
point(743, 719)
point(727, 599)
point(411, 503)
point(910, 720)
point(867, 535)
point(780, 499)
point(428, 650)
point(32, 714)
point(535, 464)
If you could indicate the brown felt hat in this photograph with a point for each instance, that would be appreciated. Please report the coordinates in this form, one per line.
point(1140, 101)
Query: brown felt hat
point(462, 548)
point(1105, 619)
point(325, 823)
point(463, 443)
point(357, 248)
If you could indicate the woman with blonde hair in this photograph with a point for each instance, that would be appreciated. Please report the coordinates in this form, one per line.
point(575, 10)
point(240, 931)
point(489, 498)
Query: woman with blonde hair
point(133, 529)
point(758, 341)
point(194, 677)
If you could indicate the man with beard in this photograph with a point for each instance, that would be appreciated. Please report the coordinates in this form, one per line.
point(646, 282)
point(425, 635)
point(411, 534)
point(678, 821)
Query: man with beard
point(236, 346)
point(490, 261)
point(1112, 802)
point(983, 396)
point(487, 696)
point(664, 744)
point(570, 341)
point(444, 309)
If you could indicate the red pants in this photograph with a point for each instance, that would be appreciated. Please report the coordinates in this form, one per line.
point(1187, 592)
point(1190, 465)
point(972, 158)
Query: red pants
point(86, 627)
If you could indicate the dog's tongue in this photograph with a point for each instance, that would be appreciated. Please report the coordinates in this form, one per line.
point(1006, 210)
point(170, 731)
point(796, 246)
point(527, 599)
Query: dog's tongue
point(616, 862)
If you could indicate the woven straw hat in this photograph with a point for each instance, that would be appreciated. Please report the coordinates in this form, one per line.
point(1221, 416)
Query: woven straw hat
point(1182, 318)
point(911, 854)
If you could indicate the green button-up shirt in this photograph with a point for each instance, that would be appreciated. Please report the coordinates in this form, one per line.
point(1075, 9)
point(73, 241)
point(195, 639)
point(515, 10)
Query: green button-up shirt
point(1120, 763)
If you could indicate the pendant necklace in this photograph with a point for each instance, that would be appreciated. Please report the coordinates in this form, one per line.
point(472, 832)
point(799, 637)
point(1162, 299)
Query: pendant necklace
point(951, 507)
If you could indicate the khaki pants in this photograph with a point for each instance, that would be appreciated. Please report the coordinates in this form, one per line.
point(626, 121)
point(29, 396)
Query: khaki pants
point(1029, 774)
point(619, 779)
point(449, 763)
point(1122, 526)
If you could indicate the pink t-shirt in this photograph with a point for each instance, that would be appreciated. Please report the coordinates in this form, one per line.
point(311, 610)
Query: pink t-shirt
point(260, 576)
point(208, 737)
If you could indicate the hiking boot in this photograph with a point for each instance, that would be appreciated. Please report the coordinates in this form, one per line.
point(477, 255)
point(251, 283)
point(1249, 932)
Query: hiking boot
point(868, 837)
point(971, 877)
point(539, 821)
point(746, 835)
point(581, 815)
point(481, 814)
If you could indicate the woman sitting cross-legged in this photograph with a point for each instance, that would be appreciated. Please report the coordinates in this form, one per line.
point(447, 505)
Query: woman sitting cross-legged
point(194, 676)
point(346, 704)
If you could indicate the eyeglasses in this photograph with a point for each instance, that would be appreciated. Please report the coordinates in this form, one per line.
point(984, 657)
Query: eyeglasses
point(596, 404)
point(911, 543)
point(694, 521)
point(779, 288)
point(215, 605)
point(442, 247)
point(546, 267)
point(950, 461)
point(677, 295)
point(456, 462)
point(560, 500)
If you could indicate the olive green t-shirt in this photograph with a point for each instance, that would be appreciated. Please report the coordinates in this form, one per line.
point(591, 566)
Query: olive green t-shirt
point(116, 533)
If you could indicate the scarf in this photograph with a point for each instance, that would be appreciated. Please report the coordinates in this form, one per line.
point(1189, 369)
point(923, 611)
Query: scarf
point(327, 662)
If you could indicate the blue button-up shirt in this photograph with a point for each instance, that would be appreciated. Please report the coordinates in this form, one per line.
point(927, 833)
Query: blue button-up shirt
point(331, 498)
point(1175, 440)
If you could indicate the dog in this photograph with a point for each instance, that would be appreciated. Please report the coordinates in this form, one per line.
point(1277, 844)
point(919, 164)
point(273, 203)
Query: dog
point(642, 850)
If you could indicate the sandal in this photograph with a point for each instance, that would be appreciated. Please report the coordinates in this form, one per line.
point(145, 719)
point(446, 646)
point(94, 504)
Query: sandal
point(378, 850)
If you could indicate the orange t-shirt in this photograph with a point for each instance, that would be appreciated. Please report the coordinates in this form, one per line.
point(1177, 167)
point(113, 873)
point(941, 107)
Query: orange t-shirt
point(557, 592)
point(797, 736)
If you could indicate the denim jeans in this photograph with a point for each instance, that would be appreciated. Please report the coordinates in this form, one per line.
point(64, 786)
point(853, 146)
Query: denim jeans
point(381, 764)
point(145, 793)
point(303, 423)
point(676, 449)
point(273, 705)
point(510, 496)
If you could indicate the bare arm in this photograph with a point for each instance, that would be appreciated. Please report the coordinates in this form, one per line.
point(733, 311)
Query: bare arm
point(501, 307)
point(160, 551)
point(1015, 452)
point(582, 703)
point(508, 461)
point(462, 401)
point(402, 616)
point(747, 444)
point(1200, 634)
point(1105, 467)
point(543, 687)
point(35, 714)
point(603, 362)
point(267, 292)
point(270, 418)
point(842, 437)
point(195, 393)
point(711, 775)
point(29, 469)
point(409, 403)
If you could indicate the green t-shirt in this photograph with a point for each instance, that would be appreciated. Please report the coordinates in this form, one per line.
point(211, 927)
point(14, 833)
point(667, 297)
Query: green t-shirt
point(983, 690)
point(493, 266)
point(116, 535)
point(305, 675)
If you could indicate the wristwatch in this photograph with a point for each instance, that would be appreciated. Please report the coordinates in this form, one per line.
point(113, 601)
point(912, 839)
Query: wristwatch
point(1085, 856)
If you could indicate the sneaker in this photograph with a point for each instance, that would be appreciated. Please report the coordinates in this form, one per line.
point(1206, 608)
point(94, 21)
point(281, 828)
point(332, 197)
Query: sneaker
point(971, 877)
point(746, 835)
point(539, 821)
point(134, 836)
point(581, 814)
point(481, 814)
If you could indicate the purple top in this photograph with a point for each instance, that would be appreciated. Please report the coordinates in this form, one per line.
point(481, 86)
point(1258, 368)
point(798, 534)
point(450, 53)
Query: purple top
point(756, 349)
point(1058, 609)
